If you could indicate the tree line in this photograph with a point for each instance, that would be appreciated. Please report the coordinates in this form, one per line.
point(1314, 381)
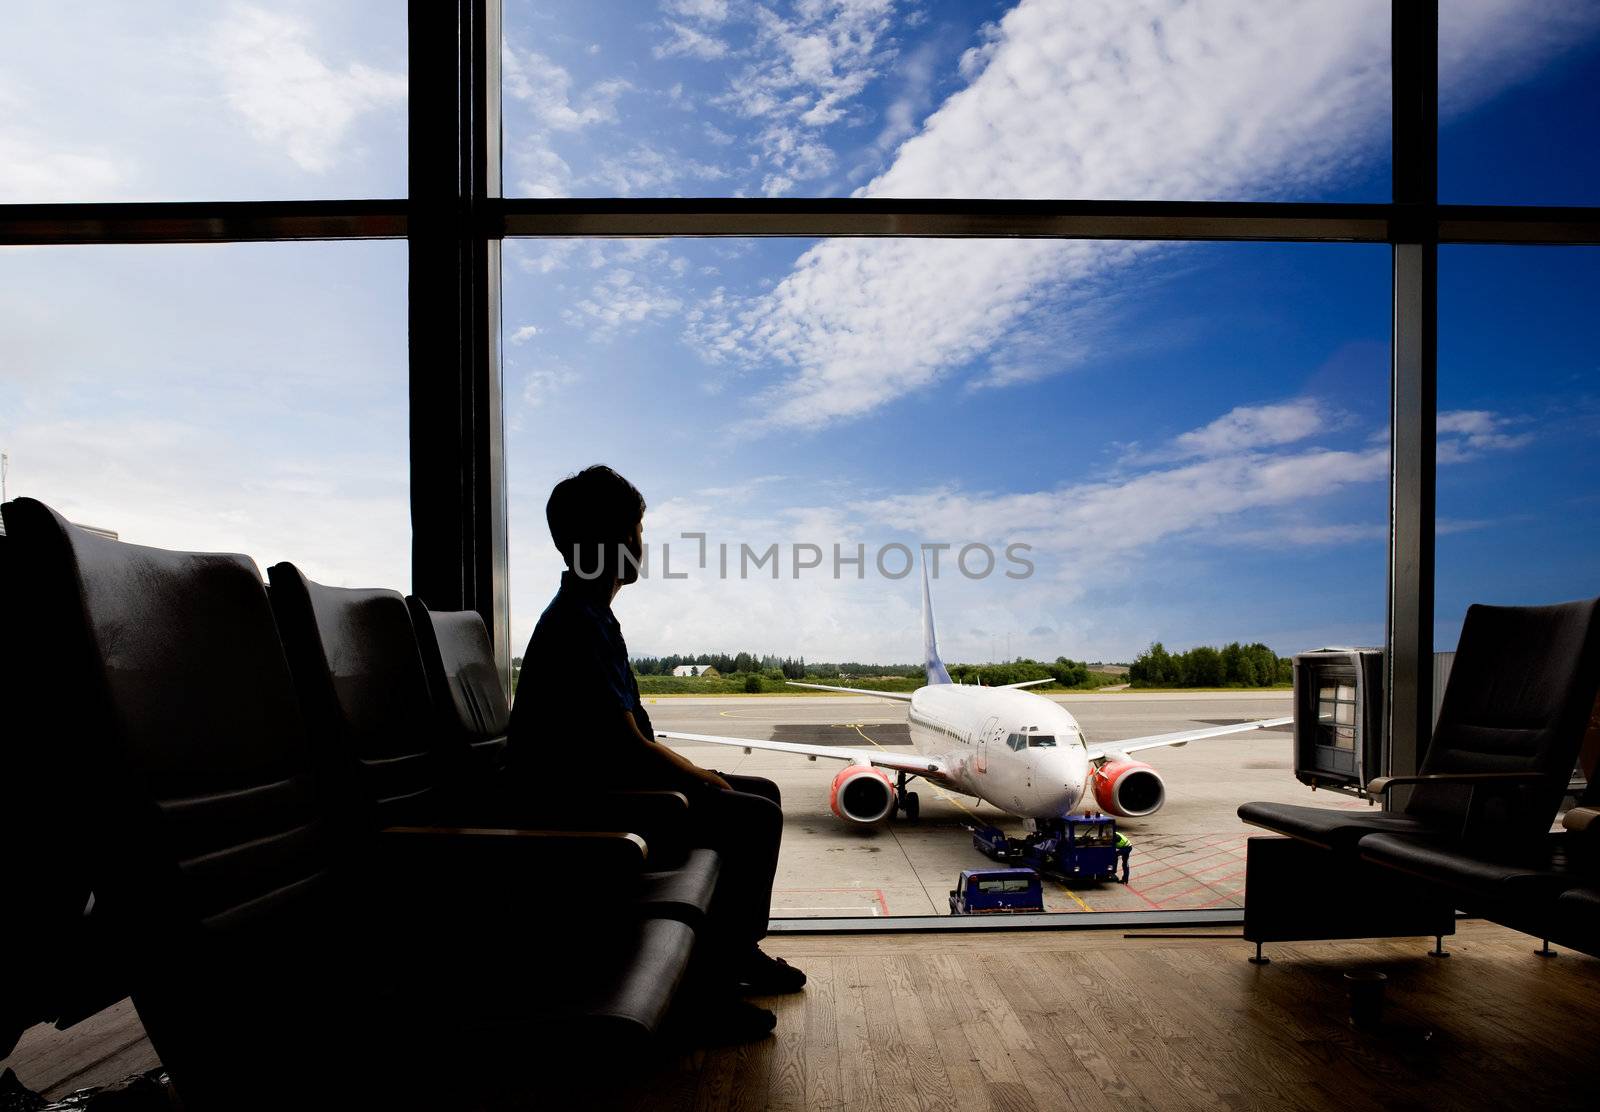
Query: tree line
point(1068, 673)
point(784, 667)
point(1233, 665)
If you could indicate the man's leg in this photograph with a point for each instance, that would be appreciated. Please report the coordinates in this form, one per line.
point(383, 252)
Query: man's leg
point(745, 827)
point(754, 785)
point(745, 830)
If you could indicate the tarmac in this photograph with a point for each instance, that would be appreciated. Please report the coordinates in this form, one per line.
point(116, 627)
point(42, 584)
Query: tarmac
point(1190, 854)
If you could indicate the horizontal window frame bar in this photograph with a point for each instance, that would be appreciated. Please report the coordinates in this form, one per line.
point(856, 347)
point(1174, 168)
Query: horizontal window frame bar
point(1235, 221)
point(1023, 921)
point(202, 222)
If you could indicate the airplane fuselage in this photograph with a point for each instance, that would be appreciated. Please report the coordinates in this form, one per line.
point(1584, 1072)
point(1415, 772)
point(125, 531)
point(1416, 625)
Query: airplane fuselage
point(1019, 751)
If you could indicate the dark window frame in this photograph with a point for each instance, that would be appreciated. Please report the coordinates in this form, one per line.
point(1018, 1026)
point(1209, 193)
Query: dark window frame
point(455, 218)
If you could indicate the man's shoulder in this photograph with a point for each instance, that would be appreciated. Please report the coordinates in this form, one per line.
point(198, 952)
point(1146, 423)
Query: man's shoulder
point(565, 622)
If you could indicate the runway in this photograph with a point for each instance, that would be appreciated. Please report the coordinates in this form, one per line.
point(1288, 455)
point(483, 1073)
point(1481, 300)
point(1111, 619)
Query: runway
point(1190, 854)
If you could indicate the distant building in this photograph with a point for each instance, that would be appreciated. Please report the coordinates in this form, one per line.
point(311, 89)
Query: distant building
point(690, 669)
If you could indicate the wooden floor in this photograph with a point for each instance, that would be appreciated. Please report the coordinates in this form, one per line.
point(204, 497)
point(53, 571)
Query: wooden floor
point(1093, 1020)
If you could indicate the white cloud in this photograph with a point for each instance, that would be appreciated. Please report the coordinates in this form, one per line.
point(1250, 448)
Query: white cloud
point(645, 168)
point(37, 170)
point(539, 386)
point(707, 11)
point(1246, 427)
point(809, 70)
point(687, 42)
point(1084, 537)
point(621, 299)
point(289, 95)
point(1466, 434)
point(546, 88)
point(1067, 98)
point(524, 334)
point(184, 484)
point(540, 171)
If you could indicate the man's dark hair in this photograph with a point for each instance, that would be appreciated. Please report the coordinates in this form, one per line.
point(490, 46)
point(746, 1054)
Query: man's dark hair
point(590, 511)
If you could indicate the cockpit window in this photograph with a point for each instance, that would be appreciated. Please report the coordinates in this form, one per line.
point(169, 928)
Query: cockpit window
point(1042, 741)
point(1017, 741)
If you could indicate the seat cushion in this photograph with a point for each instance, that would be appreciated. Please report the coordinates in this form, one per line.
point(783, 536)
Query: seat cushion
point(683, 893)
point(1329, 827)
point(1487, 874)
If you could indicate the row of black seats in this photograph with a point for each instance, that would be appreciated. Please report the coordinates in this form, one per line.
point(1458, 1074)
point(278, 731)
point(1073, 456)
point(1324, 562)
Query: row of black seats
point(278, 820)
point(1476, 834)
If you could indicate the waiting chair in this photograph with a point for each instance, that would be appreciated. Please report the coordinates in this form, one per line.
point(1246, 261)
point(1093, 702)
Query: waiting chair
point(277, 957)
point(355, 657)
point(1513, 717)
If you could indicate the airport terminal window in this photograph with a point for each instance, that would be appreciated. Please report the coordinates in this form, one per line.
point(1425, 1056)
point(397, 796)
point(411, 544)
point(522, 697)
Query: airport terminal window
point(1175, 429)
point(164, 100)
point(1519, 429)
point(1526, 131)
point(1203, 432)
point(884, 99)
point(241, 398)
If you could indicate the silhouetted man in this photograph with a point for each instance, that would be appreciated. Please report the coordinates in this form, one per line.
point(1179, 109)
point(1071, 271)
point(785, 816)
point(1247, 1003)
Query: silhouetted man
point(577, 685)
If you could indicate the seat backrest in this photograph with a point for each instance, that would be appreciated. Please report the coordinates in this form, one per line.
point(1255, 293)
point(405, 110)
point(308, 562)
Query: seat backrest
point(1518, 700)
point(65, 977)
point(213, 858)
point(184, 717)
point(354, 656)
point(460, 664)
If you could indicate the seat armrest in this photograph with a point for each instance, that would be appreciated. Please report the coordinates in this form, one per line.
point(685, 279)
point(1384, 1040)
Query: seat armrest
point(476, 848)
point(1582, 820)
point(661, 818)
point(1381, 785)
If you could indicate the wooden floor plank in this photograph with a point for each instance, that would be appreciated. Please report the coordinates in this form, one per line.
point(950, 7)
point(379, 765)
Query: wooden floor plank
point(1093, 1022)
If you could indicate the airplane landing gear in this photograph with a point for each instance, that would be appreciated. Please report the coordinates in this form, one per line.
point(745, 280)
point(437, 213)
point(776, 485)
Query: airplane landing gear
point(908, 802)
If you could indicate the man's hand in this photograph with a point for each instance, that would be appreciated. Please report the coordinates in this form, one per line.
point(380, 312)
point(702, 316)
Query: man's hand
point(711, 779)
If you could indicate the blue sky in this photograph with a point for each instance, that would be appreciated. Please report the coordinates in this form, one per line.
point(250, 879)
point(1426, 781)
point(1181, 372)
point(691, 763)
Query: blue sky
point(1191, 437)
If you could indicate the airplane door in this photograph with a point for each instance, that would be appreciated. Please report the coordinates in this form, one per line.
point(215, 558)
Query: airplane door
point(983, 744)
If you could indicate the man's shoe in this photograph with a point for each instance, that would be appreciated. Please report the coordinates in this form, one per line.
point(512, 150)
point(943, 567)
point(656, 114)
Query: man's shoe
point(762, 975)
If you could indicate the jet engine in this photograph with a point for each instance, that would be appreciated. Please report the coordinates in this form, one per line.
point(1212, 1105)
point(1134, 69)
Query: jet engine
point(862, 794)
point(1128, 788)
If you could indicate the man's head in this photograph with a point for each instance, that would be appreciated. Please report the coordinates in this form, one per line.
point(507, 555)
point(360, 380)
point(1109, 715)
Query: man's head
point(595, 516)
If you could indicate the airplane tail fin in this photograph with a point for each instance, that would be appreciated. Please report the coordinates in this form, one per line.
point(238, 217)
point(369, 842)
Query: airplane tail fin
point(930, 644)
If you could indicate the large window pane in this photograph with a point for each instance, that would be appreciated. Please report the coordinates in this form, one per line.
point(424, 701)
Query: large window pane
point(244, 398)
point(1192, 440)
point(1525, 130)
point(1221, 99)
point(166, 100)
point(1519, 429)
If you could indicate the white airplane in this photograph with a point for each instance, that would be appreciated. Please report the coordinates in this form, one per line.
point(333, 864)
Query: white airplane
point(1019, 751)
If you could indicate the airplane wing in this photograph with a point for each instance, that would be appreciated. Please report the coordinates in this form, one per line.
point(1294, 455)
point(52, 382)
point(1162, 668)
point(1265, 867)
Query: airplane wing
point(912, 763)
point(1026, 683)
point(899, 696)
point(1182, 737)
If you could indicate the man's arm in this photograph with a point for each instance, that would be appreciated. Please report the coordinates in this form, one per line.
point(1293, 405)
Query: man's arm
point(672, 766)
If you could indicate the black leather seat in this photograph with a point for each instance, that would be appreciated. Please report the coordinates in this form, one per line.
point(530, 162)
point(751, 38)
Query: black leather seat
point(1507, 738)
point(277, 957)
point(65, 975)
point(458, 660)
point(421, 758)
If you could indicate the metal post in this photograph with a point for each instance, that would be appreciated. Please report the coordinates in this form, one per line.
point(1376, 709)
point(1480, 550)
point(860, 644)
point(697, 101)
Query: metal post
point(1413, 389)
point(458, 490)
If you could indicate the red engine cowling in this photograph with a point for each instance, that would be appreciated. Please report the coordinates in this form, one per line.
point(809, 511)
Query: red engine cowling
point(862, 794)
point(1128, 788)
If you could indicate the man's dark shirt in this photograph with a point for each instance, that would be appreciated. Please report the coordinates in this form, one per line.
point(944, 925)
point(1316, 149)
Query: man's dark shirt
point(575, 683)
